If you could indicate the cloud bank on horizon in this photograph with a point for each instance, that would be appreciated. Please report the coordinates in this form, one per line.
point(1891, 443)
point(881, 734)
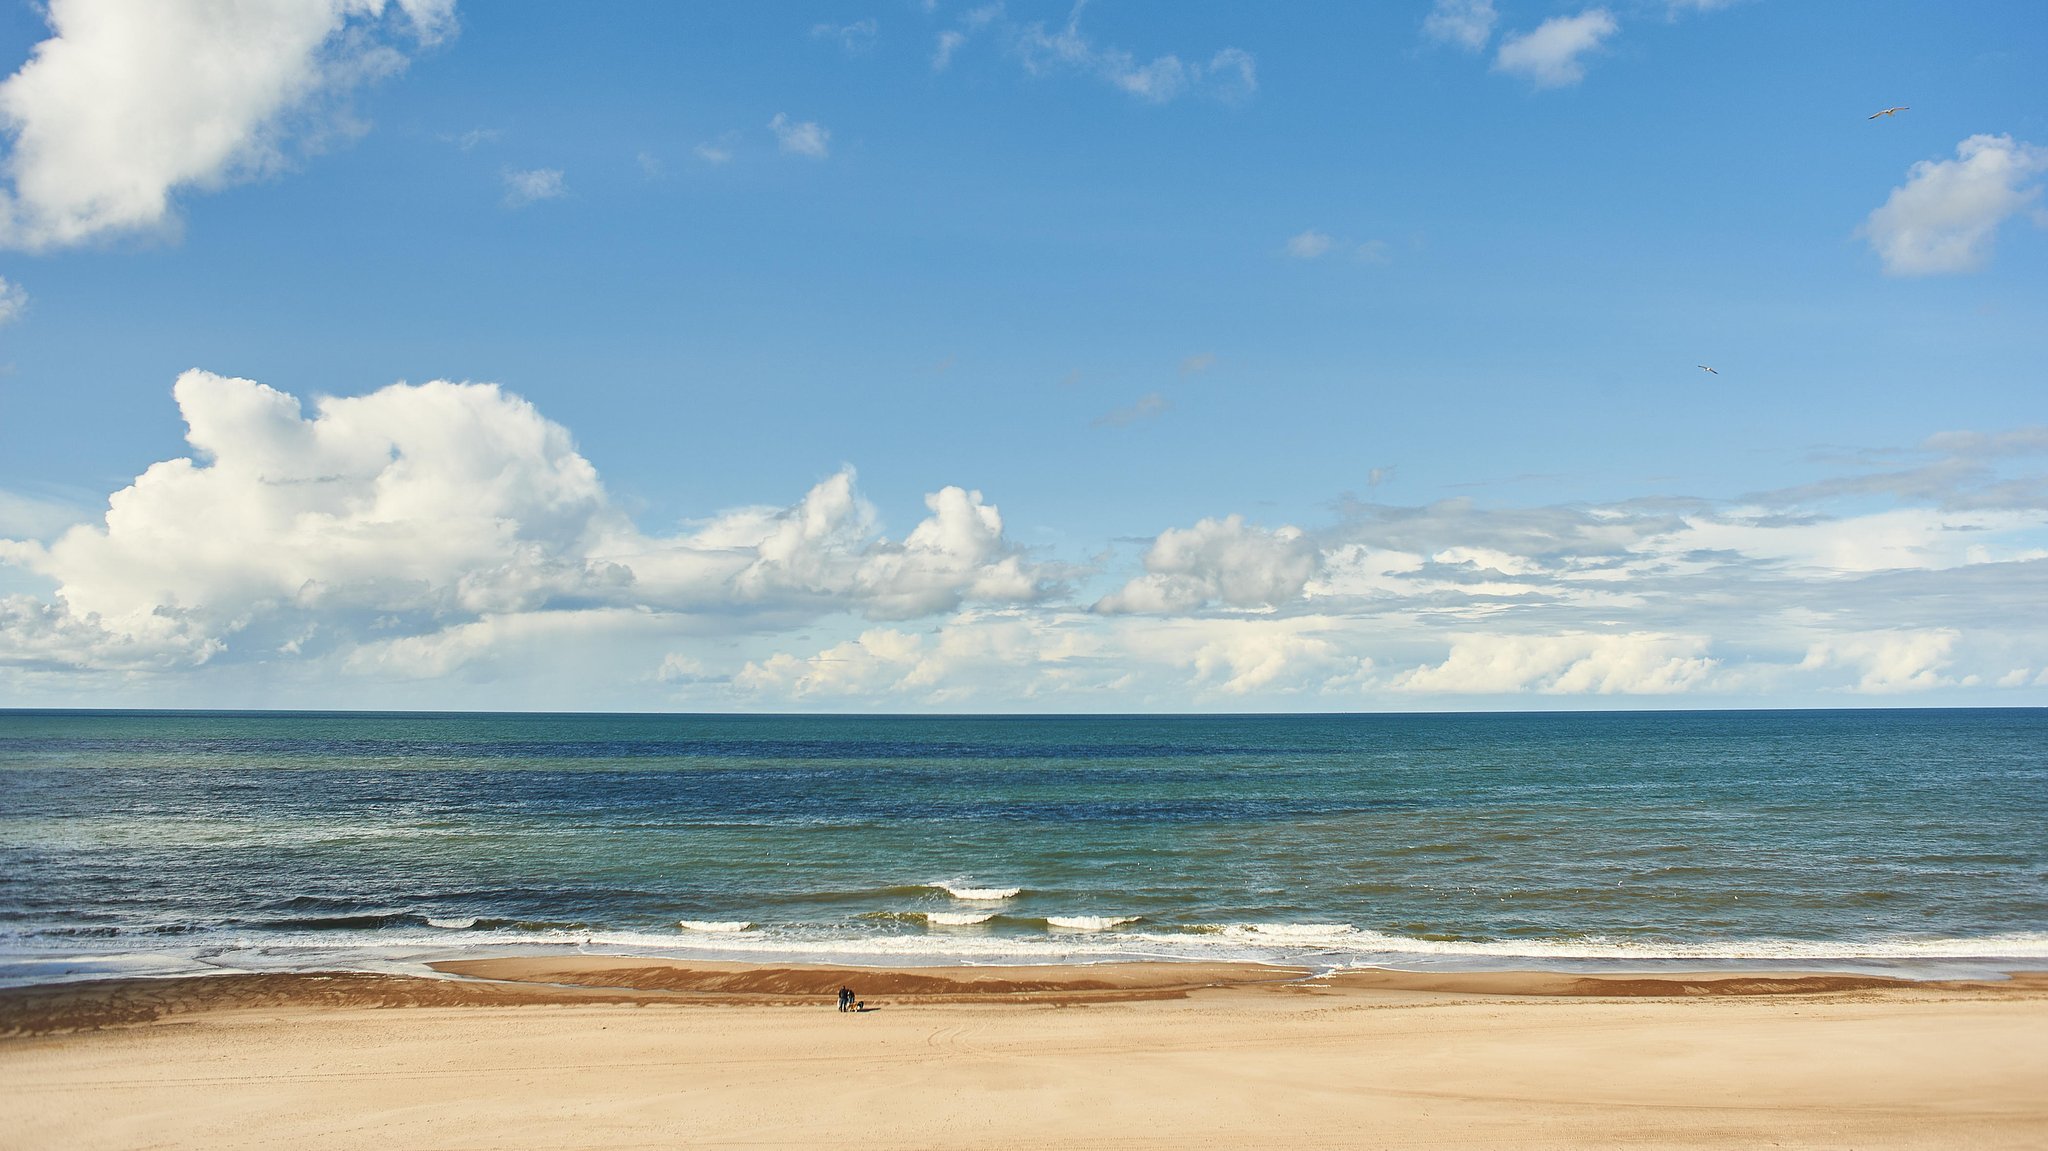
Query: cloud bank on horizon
point(448, 537)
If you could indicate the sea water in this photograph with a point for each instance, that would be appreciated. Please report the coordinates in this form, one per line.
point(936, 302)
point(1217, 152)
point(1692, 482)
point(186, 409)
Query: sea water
point(156, 843)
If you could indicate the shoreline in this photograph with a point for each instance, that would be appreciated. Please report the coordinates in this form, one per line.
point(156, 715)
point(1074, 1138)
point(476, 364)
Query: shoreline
point(623, 1052)
point(583, 979)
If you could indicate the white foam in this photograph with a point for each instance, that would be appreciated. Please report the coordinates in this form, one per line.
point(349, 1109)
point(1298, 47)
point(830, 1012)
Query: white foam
point(1287, 933)
point(1089, 922)
point(716, 927)
point(463, 924)
point(979, 894)
point(958, 918)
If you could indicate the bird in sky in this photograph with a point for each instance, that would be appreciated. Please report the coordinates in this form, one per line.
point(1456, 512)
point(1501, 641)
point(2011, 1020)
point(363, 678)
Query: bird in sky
point(1888, 111)
point(1705, 368)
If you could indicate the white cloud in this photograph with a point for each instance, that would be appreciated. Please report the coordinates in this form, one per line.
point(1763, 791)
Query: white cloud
point(1309, 244)
point(533, 185)
point(1362, 570)
point(1550, 56)
point(1943, 218)
point(949, 42)
point(417, 522)
point(1635, 663)
point(129, 103)
point(446, 545)
point(1889, 661)
point(800, 139)
point(854, 39)
point(13, 301)
point(1466, 23)
point(1222, 561)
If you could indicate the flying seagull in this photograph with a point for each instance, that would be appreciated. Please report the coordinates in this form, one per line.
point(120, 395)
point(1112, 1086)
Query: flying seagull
point(1705, 368)
point(1888, 111)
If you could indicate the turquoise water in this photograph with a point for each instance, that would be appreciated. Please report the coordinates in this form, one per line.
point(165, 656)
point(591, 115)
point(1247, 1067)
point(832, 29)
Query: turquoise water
point(192, 841)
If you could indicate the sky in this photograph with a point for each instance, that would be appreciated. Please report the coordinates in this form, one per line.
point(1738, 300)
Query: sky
point(917, 355)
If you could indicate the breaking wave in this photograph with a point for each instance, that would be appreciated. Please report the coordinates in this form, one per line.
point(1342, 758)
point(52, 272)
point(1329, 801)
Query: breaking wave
point(977, 894)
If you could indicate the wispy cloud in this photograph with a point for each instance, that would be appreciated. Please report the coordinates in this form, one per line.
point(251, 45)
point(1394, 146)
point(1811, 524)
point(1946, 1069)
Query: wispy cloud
point(804, 138)
point(1149, 406)
point(716, 152)
point(1230, 74)
point(1310, 244)
point(13, 301)
point(1465, 23)
point(532, 185)
point(953, 39)
point(1314, 244)
point(853, 39)
point(1943, 219)
point(475, 138)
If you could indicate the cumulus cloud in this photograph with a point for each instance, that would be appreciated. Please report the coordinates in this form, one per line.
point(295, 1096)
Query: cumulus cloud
point(1889, 661)
point(127, 104)
point(1465, 23)
point(13, 301)
point(804, 138)
point(1551, 55)
point(415, 523)
point(1224, 561)
point(1635, 663)
point(427, 537)
point(533, 185)
point(1943, 218)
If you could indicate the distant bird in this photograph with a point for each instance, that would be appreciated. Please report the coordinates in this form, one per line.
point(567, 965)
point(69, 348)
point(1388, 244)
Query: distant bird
point(1888, 111)
point(1705, 368)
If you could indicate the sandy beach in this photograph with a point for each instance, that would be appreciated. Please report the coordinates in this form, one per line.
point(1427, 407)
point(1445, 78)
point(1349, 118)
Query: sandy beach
point(626, 1052)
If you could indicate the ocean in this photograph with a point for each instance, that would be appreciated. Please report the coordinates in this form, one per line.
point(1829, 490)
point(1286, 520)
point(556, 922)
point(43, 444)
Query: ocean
point(1906, 841)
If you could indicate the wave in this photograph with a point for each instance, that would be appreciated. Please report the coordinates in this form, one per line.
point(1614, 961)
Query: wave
point(464, 923)
point(1089, 922)
point(1288, 933)
point(976, 894)
point(930, 918)
point(716, 927)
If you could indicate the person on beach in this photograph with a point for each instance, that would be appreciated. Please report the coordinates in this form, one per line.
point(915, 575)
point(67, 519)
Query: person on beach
point(846, 999)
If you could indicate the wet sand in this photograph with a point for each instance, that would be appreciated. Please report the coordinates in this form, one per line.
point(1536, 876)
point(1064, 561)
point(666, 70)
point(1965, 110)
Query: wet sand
point(590, 1051)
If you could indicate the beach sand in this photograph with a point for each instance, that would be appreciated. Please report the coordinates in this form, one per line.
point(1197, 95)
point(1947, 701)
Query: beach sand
point(625, 1052)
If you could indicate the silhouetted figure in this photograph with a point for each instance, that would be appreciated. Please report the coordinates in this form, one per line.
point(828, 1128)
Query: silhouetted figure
point(846, 999)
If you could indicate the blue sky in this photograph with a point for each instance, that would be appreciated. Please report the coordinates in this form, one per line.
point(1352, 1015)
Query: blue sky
point(1326, 357)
